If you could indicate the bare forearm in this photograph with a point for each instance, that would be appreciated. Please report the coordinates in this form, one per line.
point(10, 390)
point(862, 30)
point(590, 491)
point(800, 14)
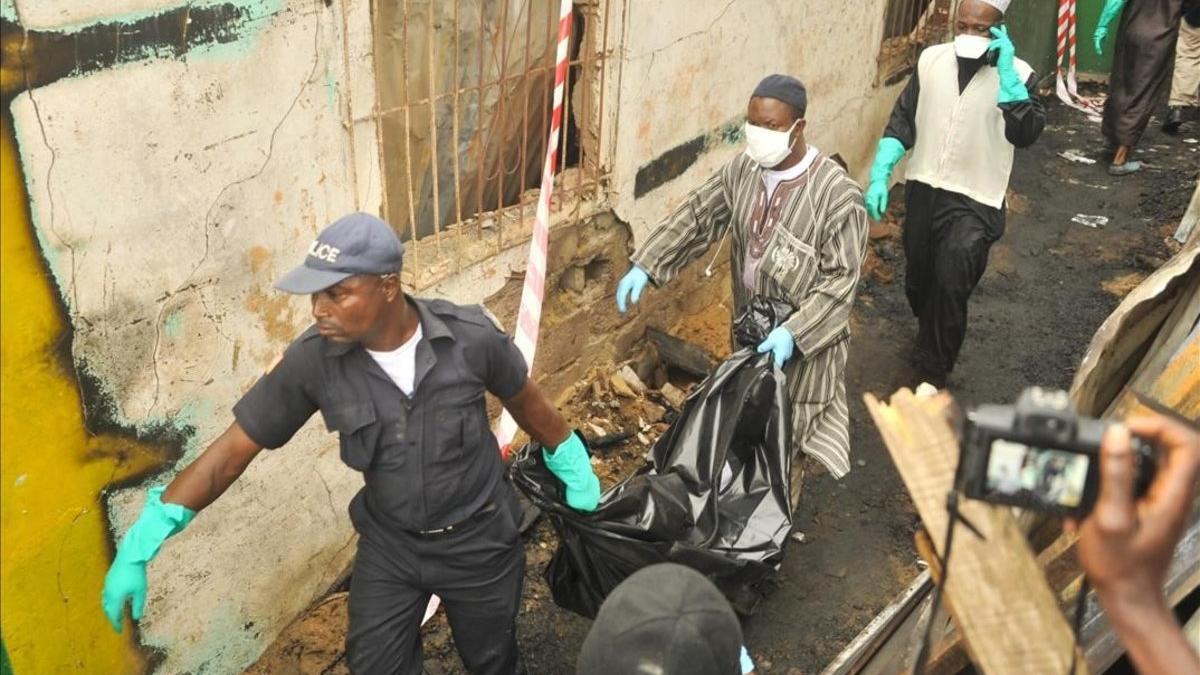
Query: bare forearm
point(207, 478)
point(1149, 632)
point(538, 416)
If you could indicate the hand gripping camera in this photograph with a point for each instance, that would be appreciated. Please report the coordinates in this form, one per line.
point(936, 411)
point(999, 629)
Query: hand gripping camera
point(1039, 455)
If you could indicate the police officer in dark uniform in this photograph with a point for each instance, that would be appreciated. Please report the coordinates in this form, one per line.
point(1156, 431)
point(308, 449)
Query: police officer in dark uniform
point(402, 381)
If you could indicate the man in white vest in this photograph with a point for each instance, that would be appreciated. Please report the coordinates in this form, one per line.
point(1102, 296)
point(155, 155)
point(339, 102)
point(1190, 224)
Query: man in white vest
point(967, 105)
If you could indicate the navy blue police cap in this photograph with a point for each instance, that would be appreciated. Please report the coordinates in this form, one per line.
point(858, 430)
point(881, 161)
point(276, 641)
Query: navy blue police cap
point(359, 243)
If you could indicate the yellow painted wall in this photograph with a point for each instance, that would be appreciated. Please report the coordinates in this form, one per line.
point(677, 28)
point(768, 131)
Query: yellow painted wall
point(54, 546)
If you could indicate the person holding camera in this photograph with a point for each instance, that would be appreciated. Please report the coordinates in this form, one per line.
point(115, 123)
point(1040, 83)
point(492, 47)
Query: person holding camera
point(1126, 543)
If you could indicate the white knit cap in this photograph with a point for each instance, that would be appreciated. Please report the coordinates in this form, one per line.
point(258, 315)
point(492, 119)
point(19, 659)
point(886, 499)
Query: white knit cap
point(1001, 5)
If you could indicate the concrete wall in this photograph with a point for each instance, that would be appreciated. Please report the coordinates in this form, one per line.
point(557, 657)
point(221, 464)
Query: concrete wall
point(162, 163)
point(687, 77)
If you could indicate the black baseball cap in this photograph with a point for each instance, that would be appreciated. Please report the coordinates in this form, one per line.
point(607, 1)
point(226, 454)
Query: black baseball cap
point(784, 88)
point(359, 243)
point(666, 619)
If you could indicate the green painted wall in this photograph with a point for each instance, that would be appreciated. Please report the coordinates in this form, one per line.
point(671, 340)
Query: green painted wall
point(1033, 26)
point(1089, 60)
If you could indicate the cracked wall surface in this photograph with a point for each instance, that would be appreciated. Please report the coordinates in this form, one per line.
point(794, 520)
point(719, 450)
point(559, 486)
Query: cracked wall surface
point(153, 189)
point(688, 70)
point(155, 182)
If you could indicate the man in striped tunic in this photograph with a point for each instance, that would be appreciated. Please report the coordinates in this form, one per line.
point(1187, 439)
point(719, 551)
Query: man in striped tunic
point(799, 234)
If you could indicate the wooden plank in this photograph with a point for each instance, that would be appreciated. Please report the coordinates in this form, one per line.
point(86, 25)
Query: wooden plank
point(994, 587)
point(868, 641)
point(1183, 577)
point(1100, 375)
point(681, 354)
point(1189, 225)
point(1172, 335)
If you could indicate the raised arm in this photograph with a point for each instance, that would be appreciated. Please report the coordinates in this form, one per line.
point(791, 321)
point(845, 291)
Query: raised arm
point(166, 513)
point(274, 409)
point(214, 470)
point(683, 236)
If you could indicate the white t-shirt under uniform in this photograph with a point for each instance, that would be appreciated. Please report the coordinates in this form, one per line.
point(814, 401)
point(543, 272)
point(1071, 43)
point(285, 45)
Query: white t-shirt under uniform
point(400, 364)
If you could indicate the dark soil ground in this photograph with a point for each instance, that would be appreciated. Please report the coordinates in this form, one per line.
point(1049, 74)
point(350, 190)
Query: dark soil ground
point(1050, 283)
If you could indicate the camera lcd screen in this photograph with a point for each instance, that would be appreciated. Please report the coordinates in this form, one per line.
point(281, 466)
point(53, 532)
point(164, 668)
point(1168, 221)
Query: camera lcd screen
point(1037, 474)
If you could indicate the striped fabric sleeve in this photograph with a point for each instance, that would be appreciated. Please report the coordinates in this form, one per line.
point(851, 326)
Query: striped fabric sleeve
point(683, 236)
point(822, 316)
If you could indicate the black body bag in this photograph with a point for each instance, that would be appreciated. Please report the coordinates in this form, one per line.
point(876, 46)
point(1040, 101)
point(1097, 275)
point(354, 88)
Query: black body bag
point(714, 497)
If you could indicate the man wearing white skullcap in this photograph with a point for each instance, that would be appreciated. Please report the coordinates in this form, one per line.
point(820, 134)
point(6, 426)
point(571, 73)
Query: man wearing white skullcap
point(967, 106)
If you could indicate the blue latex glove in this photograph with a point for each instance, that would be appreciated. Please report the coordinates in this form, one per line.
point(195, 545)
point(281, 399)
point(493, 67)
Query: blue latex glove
point(1111, 9)
point(887, 155)
point(126, 578)
point(1012, 89)
point(570, 462)
point(781, 345)
point(631, 287)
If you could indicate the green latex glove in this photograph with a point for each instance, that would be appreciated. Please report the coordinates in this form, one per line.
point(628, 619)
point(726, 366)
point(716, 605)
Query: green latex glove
point(1111, 9)
point(570, 462)
point(1012, 89)
point(888, 154)
point(126, 579)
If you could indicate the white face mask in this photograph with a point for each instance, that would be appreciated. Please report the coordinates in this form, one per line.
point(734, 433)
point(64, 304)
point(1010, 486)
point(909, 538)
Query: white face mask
point(766, 147)
point(970, 46)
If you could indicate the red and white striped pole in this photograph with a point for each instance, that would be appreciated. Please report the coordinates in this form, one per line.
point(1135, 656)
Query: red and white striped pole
point(1067, 88)
point(529, 316)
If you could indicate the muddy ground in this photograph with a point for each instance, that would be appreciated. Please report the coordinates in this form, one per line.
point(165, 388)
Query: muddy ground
point(1050, 283)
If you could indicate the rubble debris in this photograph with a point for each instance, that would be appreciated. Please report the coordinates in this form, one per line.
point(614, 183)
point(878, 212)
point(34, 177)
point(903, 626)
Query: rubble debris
point(1093, 222)
point(799, 536)
point(884, 230)
point(874, 267)
point(674, 395)
point(647, 366)
point(631, 378)
point(621, 387)
point(609, 441)
point(1073, 156)
point(682, 355)
point(653, 411)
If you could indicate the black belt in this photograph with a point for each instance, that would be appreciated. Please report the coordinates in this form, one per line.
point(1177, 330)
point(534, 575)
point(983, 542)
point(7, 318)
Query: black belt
point(478, 517)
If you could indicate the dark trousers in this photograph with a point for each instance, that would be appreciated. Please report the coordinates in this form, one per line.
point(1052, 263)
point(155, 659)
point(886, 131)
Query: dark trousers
point(947, 237)
point(477, 572)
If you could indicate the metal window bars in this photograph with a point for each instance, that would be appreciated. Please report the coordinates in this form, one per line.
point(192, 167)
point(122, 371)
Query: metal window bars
point(908, 26)
point(462, 115)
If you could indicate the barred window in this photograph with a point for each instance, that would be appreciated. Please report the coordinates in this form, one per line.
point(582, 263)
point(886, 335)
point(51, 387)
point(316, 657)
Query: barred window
point(908, 26)
point(465, 90)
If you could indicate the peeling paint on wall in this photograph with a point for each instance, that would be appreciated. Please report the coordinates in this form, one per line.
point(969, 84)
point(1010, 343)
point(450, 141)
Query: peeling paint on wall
point(55, 547)
point(674, 162)
point(66, 445)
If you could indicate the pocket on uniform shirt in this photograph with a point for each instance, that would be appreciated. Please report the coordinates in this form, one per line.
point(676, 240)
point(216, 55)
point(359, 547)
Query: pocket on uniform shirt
point(790, 263)
point(449, 430)
point(353, 422)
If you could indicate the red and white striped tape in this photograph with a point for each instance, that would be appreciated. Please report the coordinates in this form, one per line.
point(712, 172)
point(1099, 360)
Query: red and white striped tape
point(529, 316)
point(1067, 88)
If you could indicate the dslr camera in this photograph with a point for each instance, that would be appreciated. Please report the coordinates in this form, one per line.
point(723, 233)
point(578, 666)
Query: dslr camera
point(1039, 455)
